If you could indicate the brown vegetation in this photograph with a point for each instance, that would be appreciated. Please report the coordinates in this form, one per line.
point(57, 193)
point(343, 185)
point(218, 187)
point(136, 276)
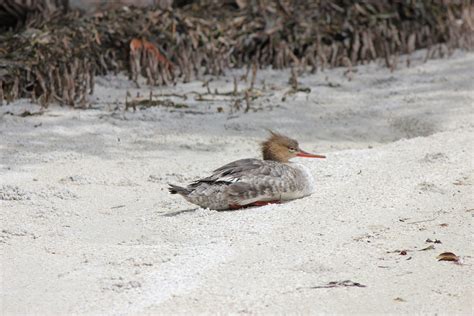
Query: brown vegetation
point(58, 58)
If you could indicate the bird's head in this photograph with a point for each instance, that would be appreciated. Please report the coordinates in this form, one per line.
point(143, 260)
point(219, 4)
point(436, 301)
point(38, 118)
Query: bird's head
point(282, 148)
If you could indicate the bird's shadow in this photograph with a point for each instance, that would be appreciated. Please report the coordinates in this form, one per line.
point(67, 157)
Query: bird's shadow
point(172, 214)
point(243, 208)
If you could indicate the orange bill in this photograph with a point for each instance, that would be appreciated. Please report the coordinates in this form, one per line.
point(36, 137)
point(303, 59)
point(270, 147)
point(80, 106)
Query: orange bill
point(305, 154)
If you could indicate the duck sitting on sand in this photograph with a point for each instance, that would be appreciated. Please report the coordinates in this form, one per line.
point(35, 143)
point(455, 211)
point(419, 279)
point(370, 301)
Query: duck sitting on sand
point(254, 182)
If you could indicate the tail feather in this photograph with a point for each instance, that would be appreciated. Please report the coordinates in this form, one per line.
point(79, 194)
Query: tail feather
point(174, 189)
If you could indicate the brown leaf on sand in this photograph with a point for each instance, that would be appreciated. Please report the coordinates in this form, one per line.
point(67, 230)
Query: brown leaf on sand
point(449, 256)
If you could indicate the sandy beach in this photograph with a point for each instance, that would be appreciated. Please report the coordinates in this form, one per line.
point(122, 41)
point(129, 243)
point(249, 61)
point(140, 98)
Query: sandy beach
point(87, 225)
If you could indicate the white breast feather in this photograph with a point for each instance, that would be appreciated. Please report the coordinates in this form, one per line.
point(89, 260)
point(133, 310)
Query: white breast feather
point(307, 178)
point(304, 178)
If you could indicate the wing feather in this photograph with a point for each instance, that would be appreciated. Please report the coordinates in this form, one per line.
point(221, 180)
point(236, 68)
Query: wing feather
point(250, 179)
point(239, 169)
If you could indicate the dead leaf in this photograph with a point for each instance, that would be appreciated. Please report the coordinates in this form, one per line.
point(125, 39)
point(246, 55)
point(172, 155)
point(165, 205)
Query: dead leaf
point(399, 299)
point(443, 225)
point(448, 256)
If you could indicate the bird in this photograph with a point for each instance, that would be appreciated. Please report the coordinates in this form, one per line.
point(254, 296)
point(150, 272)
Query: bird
point(254, 182)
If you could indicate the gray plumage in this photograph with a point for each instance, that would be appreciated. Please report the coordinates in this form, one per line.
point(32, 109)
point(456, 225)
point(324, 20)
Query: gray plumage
point(244, 182)
point(249, 182)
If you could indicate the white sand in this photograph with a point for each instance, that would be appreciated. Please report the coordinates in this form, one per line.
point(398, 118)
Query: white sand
point(87, 225)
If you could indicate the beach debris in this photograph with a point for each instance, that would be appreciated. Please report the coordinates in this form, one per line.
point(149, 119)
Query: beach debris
point(145, 103)
point(25, 113)
point(399, 299)
point(55, 57)
point(430, 247)
point(118, 206)
point(295, 86)
point(423, 221)
point(402, 253)
point(449, 256)
point(333, 284)
point(405, 252)
point(462, 181)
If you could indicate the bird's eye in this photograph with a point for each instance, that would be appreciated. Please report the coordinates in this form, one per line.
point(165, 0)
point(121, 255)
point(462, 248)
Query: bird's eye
point(292, 149)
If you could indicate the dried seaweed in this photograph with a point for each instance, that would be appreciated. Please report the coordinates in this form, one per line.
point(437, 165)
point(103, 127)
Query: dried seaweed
point(31, 13)
point(57, 60)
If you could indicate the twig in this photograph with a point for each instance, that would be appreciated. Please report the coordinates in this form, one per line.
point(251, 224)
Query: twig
point(423, 221)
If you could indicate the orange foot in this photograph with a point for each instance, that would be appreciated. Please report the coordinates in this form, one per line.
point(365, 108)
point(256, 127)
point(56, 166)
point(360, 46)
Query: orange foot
point(263, 203)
